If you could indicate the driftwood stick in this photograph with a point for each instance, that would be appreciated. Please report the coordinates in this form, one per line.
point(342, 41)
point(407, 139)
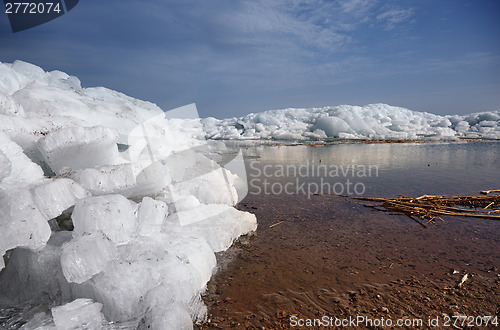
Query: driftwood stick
point(430, 207)
point(489, 205)
point(427, 196)
point(278, 223)
point(462, 280)
point(486, 192)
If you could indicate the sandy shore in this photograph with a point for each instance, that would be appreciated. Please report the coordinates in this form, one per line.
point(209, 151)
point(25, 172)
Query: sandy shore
point(333, 259)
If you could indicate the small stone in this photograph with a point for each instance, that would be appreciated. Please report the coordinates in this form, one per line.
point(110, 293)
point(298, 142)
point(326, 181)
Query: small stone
point(384, 310)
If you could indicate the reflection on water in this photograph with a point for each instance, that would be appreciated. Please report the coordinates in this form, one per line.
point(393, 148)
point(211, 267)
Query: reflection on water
point(319, 254)
point(402, 169)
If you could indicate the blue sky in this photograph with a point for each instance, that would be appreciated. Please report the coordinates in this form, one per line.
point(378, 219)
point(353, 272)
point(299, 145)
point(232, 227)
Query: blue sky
point(235, 57)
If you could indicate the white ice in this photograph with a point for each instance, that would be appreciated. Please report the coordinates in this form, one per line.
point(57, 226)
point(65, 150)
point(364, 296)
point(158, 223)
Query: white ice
point(56, 195)
point(21, 221)
point(373, 121)
point(79, 147)
point(86, 256)
point(16, 168)
point(112, 215)
point(148, 206)
point(78, 314)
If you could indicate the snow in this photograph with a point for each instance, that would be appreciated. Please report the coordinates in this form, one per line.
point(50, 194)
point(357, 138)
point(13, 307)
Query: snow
point(373, 121)
point(111, 210)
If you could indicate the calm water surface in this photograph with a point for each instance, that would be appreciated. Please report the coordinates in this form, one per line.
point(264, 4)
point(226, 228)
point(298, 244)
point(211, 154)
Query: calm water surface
point(308, 246)
point(389, 169)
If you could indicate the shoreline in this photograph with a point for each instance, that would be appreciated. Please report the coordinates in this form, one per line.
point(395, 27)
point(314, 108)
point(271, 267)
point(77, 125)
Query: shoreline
point(324, 257)
point(291, 143)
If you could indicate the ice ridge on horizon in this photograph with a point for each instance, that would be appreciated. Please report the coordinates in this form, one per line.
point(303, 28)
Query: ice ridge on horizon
point(373, 121)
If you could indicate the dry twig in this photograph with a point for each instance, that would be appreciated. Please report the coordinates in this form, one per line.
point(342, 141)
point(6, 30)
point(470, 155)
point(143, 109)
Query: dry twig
point(428, 207)
point(462, 280)
point(278, 223)
point(486, 192)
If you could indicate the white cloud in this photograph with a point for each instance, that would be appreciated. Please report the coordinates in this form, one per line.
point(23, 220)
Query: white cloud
point(393, 17)
point(294, 25)
point(357, 7)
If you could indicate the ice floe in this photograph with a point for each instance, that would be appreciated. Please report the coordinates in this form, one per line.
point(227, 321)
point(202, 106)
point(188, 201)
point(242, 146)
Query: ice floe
point(373, 121)
point(111, 210)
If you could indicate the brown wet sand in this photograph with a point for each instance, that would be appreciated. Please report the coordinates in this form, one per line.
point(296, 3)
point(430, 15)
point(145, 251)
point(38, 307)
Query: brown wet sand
point(333, 257)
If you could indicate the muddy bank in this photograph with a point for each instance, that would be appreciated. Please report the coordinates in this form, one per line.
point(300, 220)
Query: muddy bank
point(330, 257)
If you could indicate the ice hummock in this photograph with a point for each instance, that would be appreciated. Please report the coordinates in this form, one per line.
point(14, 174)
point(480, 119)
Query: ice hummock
point(147, 205)
point(78, 314)
point(87, 255)
point(373, 121)
point(79, 147)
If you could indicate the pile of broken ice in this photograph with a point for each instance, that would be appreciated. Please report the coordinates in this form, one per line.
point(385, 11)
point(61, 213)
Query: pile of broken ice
point(374, 121)
point(110, 212)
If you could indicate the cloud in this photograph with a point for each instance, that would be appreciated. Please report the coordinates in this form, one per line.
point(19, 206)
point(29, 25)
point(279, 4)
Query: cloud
point(357, 7)
point(393, 17)
point(293, 25)
point(247, 55)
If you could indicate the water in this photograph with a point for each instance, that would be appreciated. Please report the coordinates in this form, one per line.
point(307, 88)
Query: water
point(321, 240)
point(384, 170)
point(312, 254)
